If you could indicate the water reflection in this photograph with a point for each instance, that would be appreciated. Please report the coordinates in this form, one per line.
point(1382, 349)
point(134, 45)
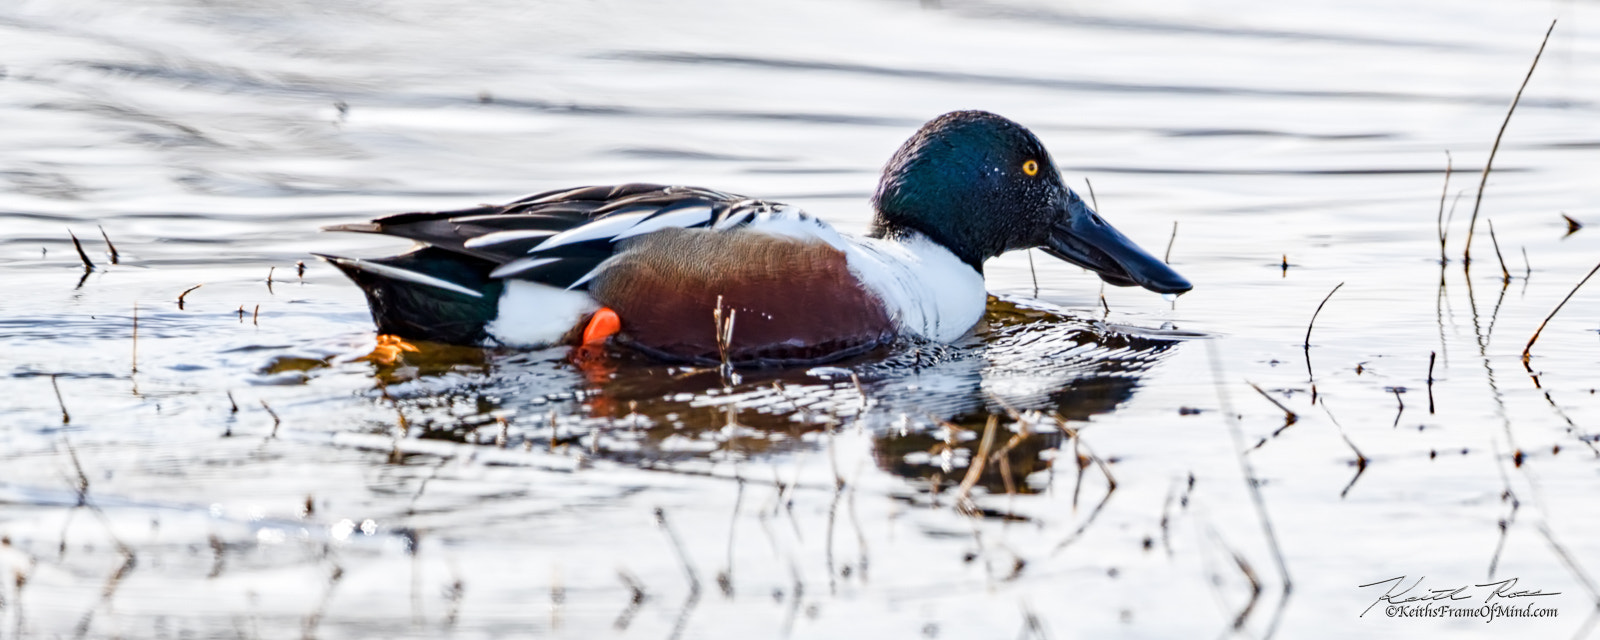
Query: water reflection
point(925, 404)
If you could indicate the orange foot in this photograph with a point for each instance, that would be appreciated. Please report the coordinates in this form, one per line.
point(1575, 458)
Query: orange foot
point(388, 350)
point(590, 355)
point(602, 325)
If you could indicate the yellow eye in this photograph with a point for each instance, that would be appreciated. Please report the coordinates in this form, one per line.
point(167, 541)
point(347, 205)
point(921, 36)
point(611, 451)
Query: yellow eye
point(1031, 167)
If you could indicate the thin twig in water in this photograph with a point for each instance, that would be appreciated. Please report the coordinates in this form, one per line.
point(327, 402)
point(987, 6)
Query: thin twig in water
point(1318, 312)
point(274, 414)
point(1449, 165)
point(677, 547)
point(724, 327)
point(1167, 257)
point(135, 337)
point(1078, 458)
point(1466, 255)
point(1577, 572)
point(185, 293)
point(1077, 439)
point(115, 257)
point(1397, 391)
point(1092, 199)
point(688, 569)
point(1431, 357)
point(964, 502)
point(1527, 351)
point(1251, 483)
point(315, 619)
point(1361, 459)
point(87, 265)
point(636, 599)
point(1166, 519)
point(725, 577)
point(1505, 274)
point(1566, 558)
point(1289, 417)
point(1032, 627)
point(1507, 495)
point(1034, 273)
point(1255, 589)
point(65, 419)
point(1572, 225)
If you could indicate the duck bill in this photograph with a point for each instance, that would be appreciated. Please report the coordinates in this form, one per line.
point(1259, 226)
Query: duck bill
point(1083, 238)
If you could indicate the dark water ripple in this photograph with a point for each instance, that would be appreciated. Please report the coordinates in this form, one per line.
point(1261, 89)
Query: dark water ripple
point(792, 64)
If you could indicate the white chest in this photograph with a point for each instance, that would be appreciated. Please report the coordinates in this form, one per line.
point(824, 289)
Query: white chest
point(926, 289)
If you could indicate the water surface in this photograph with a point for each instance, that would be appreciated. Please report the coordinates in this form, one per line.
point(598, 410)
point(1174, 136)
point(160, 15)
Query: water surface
point(240, 470)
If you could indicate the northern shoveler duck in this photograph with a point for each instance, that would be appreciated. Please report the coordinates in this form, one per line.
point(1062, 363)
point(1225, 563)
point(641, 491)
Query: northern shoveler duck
point(664, 268)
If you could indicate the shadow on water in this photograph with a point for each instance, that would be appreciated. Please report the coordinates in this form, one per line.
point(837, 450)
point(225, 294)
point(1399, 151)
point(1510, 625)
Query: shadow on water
point(924, 404)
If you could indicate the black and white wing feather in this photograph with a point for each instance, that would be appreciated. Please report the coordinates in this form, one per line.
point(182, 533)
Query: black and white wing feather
point(558, 238)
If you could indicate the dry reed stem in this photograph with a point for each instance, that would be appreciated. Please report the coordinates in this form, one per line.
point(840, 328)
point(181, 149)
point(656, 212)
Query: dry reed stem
point(87, 264)
point(1077, 440)
point(677, 547)
point(1527, 355)
point(1034, 273)
point(1466, 254)
point(1252, 484)
point(1167, 257)
point(723, 325)
point(1505, 274)
point(275, 420)
point(636, 599)
point(65, 419)
point(1432, 355)
point(1361, 459)
point(135, 337)
point(1318, 312)
point(115, 257)
point(975, 468)
point(1572, 225)
point(1289, 417)
point(1255, 588)
point(1449, 165)
point(185, 293)
point(315, 619)
point(1571, 564)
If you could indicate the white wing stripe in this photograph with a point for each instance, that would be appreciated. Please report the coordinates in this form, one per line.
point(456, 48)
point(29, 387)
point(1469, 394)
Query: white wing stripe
point(499, 237)
point(606, 227)
point(587, 276)
point(520, 265)
point(685, 217)
point(407, 275)
point(734, 220)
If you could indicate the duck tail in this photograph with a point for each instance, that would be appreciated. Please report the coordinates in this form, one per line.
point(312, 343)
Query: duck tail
point(427, 294)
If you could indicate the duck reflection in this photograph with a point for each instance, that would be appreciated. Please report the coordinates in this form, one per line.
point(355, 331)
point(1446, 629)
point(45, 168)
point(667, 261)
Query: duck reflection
point(928, 404)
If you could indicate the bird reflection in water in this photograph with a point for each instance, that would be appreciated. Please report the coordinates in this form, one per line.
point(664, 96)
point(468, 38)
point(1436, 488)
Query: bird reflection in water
point(926, 405)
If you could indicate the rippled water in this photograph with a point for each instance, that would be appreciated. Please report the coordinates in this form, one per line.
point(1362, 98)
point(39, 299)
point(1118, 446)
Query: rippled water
point(240, 470)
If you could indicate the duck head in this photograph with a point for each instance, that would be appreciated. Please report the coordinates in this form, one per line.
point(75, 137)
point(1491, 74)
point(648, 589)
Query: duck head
point(982, 185)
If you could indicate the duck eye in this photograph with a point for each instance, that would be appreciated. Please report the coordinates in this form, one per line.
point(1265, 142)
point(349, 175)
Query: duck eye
point(1031, 168)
